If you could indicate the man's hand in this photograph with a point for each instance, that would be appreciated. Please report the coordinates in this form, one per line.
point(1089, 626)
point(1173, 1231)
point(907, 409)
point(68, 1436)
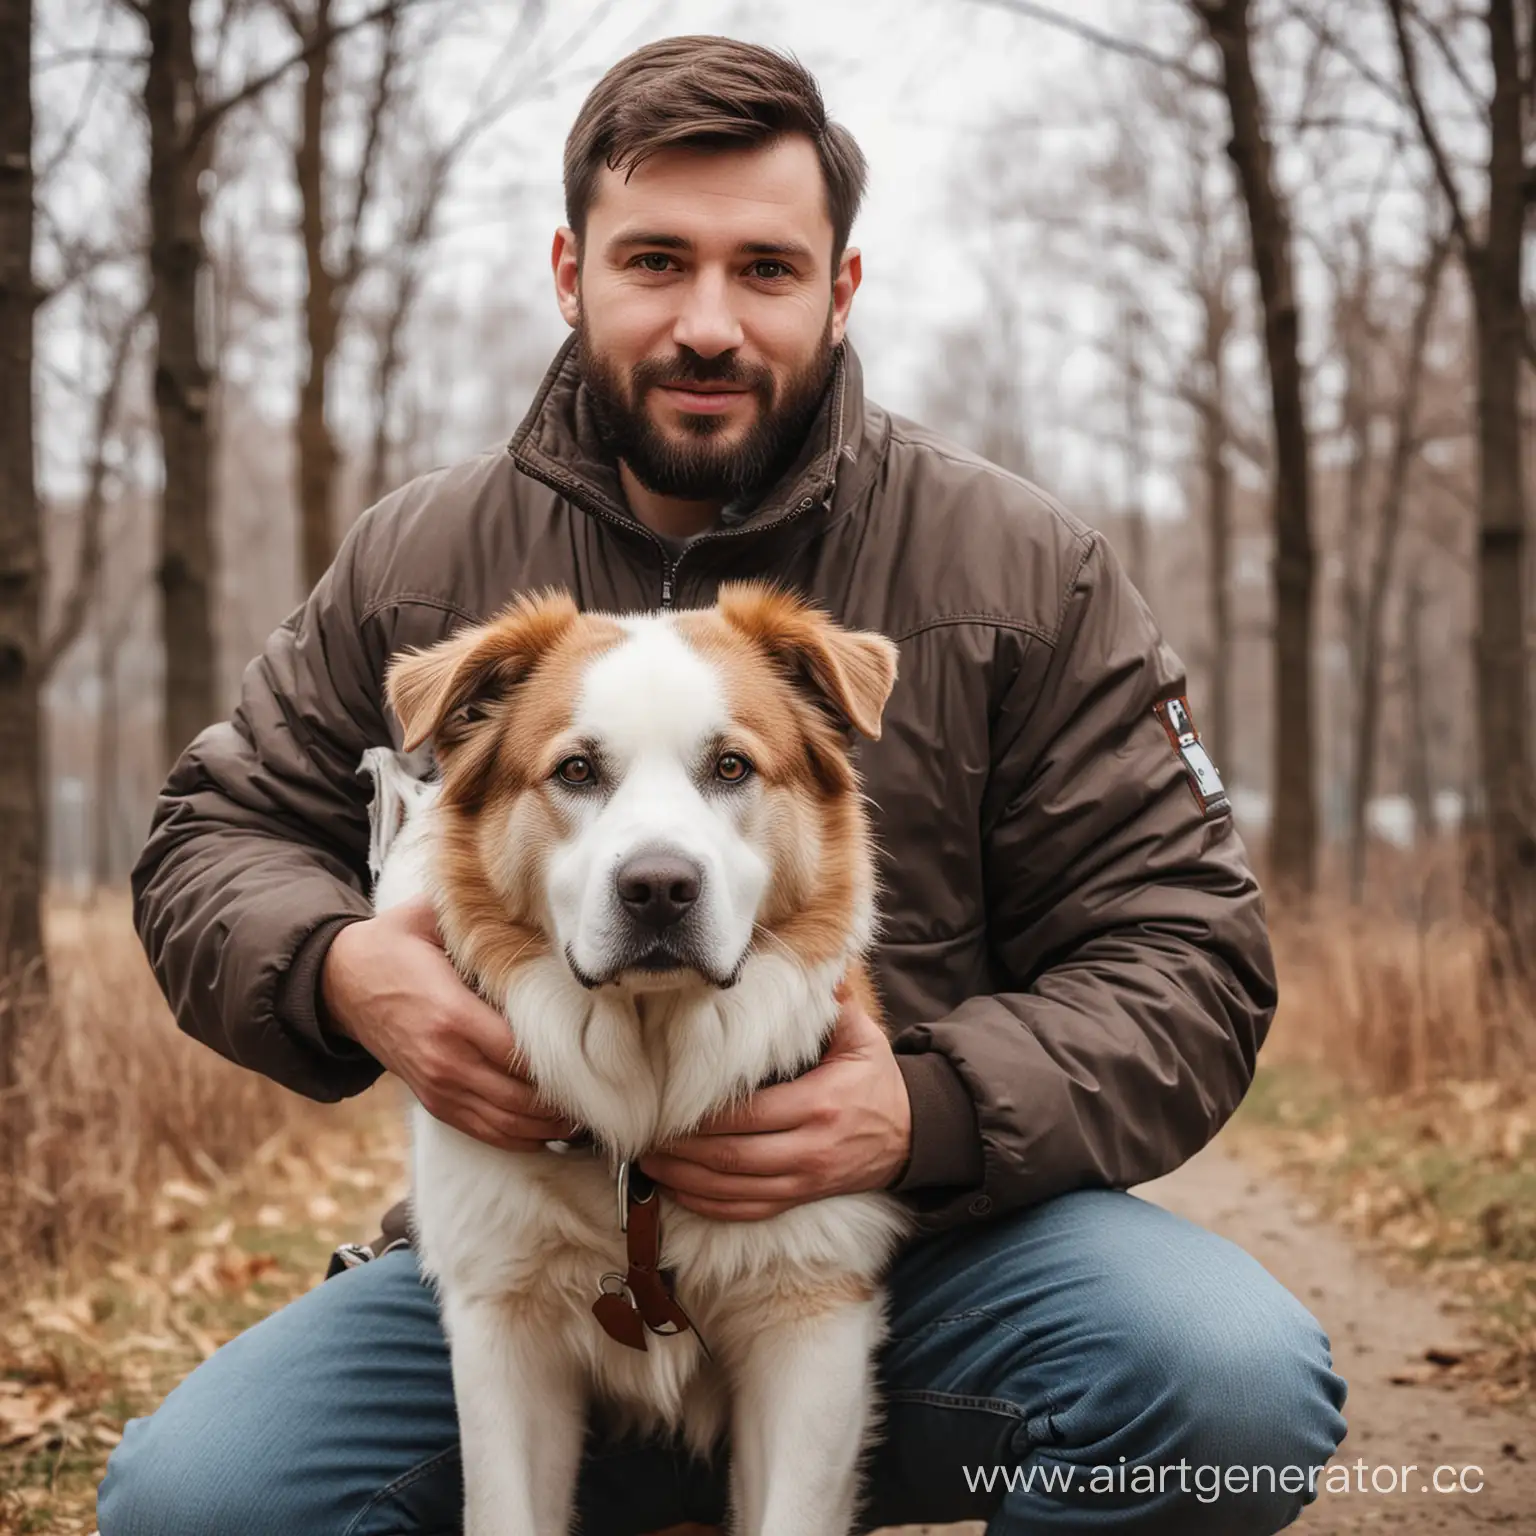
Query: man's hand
point(842, 1127)
point(388, 984)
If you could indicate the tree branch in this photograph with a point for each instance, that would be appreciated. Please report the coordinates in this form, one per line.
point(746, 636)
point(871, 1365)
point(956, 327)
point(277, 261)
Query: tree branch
point(1442, 46)
point(214, 112)
point(1427, 133)
point(77, 604)
point(1109, 41)
point(1351, 56)
point(378, 107)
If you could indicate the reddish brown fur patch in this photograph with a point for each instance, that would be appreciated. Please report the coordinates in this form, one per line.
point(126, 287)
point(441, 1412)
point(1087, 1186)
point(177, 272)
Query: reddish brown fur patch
point(852, 670)
point(861, 990)
point(427, 689)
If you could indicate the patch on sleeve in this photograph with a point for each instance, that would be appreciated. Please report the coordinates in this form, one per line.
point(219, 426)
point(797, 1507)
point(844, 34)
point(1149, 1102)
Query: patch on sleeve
point(1204, 781)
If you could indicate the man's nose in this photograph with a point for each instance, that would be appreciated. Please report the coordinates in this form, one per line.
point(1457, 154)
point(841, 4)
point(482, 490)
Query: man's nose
point(658, 889)
point(707, 322)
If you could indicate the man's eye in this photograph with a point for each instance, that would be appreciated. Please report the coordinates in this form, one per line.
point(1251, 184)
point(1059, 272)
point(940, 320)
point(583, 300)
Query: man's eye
point(654, 261)
point(732, 768)
point(578, 772)
point(769, 271)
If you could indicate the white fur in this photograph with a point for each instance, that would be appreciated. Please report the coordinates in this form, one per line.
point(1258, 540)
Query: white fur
point(516, 1242)
point(655, 705)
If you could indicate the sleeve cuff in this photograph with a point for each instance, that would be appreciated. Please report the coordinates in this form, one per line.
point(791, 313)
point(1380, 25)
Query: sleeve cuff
point(299, 1002)
point(946, 1143)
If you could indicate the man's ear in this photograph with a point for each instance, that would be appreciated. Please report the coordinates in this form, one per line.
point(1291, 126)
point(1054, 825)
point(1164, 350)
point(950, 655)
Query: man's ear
point(850, 672)
point(438, 692)
point(565, 263)
point(845, 283)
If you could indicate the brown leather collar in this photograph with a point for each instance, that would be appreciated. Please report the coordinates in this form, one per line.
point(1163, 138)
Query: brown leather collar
point(641, 1299)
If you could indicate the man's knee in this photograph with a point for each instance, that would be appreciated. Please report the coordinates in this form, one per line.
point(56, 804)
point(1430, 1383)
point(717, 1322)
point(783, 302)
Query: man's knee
point(1215, 1419)
point(1254, 1411)
point(335, 1413)
point(160, 1484)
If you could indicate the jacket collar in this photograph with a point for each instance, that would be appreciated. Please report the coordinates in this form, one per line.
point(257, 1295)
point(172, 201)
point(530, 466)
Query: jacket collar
point(558, 443)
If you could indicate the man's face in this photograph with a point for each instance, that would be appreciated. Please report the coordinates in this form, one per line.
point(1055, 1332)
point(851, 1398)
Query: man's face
point(708, 312)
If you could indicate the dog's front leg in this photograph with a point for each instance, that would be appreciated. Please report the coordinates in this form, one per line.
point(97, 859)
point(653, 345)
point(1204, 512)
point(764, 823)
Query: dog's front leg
point(521, 1421)
point(803, 1405)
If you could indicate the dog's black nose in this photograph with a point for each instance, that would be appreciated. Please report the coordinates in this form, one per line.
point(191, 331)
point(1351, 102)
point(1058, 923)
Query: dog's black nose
point(659, 888)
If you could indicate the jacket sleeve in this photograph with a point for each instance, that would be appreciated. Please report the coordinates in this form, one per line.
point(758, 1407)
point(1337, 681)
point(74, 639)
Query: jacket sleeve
point(257, 854)
point(1123, 917)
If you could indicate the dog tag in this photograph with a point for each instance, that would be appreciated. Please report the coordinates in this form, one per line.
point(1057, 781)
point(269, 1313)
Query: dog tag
point(616, 1311)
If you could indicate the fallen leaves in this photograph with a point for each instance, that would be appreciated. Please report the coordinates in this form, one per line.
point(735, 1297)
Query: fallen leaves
point(25, 1411)
point(1444, 1177)
point(81, 1358)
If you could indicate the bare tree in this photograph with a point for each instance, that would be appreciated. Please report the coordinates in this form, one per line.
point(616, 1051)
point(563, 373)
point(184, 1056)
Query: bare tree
point(21, 538)
point(184, 119)
point(1491, 243)
point(1405, 445)
point(521, 73)
point(75, 607)
point(334, 253)
point(181, 143)
point(1133, 340)
point(1214, 261)
point(1419, 766)
point(1293, 826)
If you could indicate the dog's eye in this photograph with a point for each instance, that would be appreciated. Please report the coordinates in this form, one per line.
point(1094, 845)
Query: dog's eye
point(732, 768)
point(577, 772)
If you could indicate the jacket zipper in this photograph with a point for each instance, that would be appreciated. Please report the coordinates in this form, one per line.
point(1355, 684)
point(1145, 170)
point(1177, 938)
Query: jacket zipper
point(575, 491)
point(669, 566)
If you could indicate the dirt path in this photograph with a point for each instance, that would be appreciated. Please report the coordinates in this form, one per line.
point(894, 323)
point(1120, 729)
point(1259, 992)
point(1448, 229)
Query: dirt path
point(1379, 1328)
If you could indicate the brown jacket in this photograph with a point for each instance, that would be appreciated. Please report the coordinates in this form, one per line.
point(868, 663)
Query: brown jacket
point(1074, 954)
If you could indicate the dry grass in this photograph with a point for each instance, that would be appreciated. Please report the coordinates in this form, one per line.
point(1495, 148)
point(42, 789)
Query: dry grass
point(80, 1356)
point(1398, 1087)
point(154, 1201)
point(1391, 1004)
point(111, 1102)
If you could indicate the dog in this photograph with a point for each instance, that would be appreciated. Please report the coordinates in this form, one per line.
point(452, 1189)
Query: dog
point(648, 847)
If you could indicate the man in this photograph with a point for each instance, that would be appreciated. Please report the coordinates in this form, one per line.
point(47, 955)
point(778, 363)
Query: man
point(1074, 949)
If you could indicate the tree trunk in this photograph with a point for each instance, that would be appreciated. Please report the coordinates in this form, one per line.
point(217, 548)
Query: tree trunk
point(104, 819)
point(1293, 825)
point(1218, 524)
point(21, 541)
point(182, 376)
point(1373, 619)
point(386, 379)
point(1356, 412)
point(1136, 453)
point(1420, 768)
point(1505, 878)
point(317, 452)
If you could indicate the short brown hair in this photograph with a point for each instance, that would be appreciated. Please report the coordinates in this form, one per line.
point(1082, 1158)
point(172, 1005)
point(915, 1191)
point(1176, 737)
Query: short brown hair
point(707, 93)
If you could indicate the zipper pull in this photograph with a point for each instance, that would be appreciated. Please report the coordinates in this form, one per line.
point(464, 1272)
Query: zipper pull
point(666, 585)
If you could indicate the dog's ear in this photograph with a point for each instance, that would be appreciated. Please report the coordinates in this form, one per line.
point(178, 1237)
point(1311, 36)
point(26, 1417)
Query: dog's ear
point(849, 672)
point(438, 692)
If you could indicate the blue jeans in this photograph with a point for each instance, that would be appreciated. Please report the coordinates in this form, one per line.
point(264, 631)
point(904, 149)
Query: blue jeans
point(1081, 1351)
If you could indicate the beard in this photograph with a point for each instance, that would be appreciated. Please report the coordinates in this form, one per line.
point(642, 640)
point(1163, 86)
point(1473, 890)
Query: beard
point(697, 462)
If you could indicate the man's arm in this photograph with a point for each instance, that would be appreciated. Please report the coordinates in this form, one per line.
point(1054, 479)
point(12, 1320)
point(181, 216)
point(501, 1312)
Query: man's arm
point(257, 854)
point(1122, 909)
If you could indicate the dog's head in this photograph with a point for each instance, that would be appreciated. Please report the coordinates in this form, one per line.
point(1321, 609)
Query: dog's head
point(651, 798)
